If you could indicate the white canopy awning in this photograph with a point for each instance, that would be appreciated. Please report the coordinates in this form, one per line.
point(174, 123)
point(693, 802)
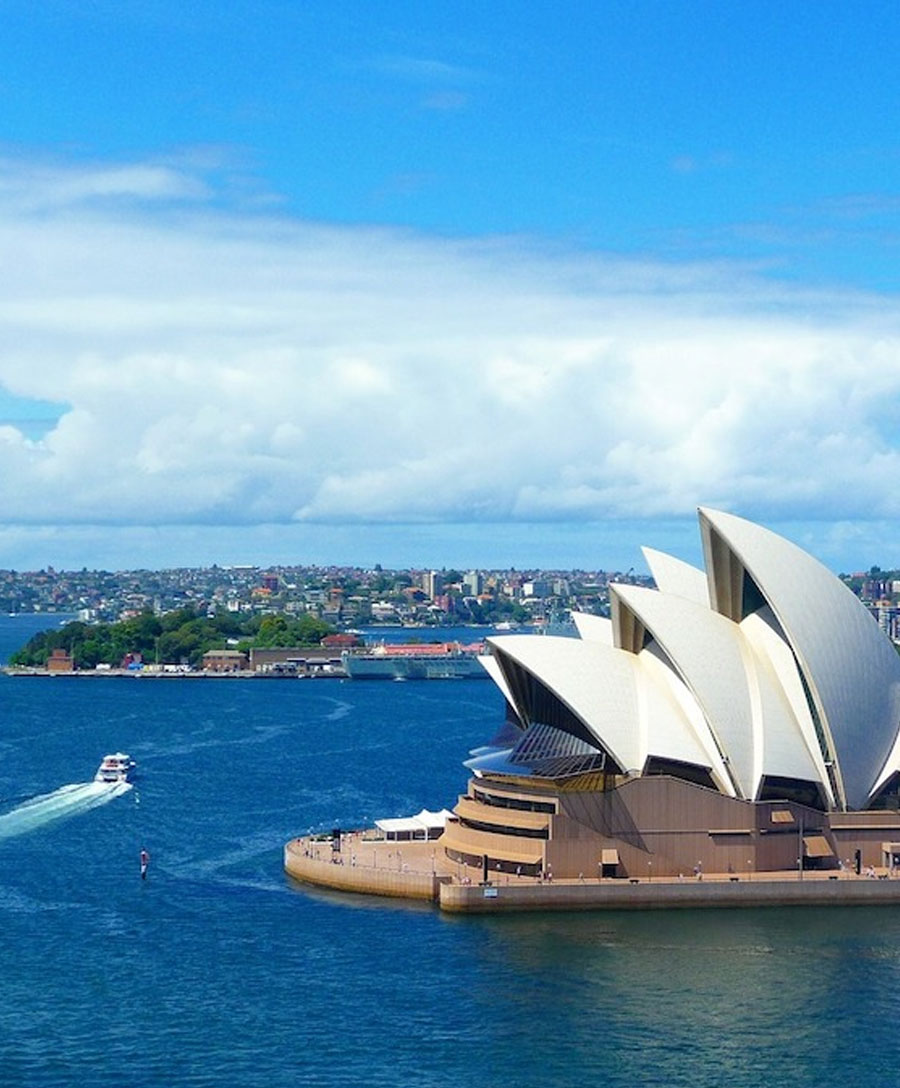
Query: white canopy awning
point(424, 823)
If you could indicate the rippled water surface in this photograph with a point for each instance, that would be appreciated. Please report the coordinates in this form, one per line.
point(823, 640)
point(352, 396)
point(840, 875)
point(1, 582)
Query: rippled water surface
point(217, 970)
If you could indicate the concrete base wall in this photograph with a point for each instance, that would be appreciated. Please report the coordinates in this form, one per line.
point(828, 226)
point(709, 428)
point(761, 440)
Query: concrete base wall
point(362, 879)
point(416, 870)
point(649, 895)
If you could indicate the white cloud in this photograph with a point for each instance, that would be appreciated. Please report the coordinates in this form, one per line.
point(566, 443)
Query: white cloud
point(33, 186)
point(221, 368)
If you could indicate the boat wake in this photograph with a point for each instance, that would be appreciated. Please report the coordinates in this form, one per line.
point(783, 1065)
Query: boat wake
point(67, 801)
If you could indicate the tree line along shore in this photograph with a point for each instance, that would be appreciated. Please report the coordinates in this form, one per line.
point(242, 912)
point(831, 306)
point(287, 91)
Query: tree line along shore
point(180, 637)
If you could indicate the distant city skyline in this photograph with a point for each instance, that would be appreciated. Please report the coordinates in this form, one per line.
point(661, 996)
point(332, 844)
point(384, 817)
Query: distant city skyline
point(480, 286)
point(607, 546)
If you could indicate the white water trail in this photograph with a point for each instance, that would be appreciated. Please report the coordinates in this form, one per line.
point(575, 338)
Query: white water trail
point(60, 805)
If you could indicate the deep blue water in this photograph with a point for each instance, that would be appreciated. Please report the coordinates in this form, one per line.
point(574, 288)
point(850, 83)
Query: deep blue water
point(218, 970)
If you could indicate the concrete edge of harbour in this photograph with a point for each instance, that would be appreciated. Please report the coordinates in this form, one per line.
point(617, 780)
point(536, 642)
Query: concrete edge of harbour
point(421, 871)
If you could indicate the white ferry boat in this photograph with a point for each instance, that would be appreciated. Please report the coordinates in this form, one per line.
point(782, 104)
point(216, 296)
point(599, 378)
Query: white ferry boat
point(416, 661)
point(115, 767)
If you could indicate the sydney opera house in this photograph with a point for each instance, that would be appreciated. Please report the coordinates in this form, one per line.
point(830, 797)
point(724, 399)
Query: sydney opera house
point(739, 719)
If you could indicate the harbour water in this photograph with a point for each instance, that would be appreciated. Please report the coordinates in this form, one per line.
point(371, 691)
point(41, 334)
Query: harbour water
point(218, 970)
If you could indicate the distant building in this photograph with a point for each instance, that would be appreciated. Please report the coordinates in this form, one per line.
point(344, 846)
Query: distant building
point(295, 660)
point(384, 612)
point(538, 587)
point(60, 661)
point(432, 583)
point(473, 583)
point(224, 661)
point(343, 641)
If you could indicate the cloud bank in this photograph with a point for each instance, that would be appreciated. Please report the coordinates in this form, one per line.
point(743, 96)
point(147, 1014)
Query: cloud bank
point(224, 367)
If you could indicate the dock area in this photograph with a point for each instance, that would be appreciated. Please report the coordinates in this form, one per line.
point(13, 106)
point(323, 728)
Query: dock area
point(421, 870)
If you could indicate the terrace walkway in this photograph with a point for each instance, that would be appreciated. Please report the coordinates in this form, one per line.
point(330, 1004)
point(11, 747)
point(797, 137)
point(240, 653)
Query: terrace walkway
point(421, 870)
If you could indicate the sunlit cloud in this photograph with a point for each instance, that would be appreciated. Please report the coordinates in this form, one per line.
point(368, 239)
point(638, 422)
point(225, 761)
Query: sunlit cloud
point(32, 187)
point(218, 368)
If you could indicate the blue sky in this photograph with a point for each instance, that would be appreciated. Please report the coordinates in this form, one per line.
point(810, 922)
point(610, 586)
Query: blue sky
point(470, 284)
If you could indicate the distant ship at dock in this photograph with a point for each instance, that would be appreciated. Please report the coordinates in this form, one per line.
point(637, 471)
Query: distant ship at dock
point(416, 661)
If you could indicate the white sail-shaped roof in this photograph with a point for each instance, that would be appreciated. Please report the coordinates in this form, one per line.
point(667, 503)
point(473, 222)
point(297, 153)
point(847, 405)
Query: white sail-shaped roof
point(850, 669)
point(626, 702)
point(677, 577)
point(704, 649)
point(784, 733)
point(671, 722)
point(746, 711)
point(765, 674)
point(492, 668)
point(594, 681)
point(593, 628)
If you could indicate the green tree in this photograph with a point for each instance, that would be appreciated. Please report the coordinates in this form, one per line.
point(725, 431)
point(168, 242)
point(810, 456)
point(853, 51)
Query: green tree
point(183, 635)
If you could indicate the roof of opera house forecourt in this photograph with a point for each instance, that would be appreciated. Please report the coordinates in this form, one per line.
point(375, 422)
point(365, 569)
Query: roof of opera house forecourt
point(762, 671)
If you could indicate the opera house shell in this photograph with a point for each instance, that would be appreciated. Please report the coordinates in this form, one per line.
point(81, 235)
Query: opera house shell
point(741, 717)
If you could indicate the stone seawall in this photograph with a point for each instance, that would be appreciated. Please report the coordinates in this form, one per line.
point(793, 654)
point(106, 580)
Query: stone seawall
point(300, 863)
point(651, 895)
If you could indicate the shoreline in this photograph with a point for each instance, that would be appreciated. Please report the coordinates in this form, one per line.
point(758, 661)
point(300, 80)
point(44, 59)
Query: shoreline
point(24, 671)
